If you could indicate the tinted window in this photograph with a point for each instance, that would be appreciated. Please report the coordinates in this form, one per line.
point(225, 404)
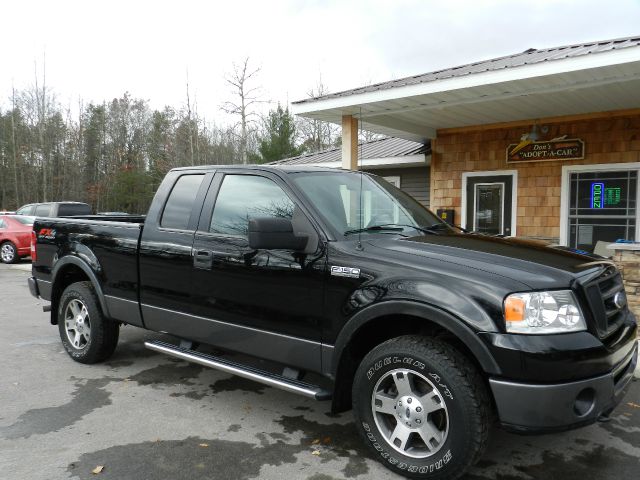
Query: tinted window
point(180, 203)
point(242, 197)
point(68, 209)
point(42, 210)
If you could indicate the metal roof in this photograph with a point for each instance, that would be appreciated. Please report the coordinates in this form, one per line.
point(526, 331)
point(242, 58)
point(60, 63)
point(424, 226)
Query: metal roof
point(380, 148)
point(528, 57)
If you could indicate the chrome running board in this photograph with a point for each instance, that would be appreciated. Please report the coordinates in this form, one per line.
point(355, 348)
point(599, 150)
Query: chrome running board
point(261, 376)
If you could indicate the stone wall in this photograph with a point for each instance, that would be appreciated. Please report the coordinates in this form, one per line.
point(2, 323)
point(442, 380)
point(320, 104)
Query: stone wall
point(627, 258)
point(608, 138)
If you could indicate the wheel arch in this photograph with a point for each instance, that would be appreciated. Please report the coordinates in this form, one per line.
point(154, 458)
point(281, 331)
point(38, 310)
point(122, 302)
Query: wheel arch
point(387, 320)
point(68, 270)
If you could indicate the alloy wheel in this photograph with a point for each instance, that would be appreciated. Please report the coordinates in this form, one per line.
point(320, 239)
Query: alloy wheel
point(410, 412)
point(77, 324)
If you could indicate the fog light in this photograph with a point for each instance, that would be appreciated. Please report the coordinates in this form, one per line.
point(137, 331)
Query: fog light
point(585, 401)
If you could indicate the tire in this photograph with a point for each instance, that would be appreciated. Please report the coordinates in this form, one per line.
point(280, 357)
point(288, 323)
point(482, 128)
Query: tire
point(430, 402)
point(9, 253)
point(87, 336)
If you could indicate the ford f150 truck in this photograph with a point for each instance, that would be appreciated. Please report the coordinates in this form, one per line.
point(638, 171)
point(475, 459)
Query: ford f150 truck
point(428, 332)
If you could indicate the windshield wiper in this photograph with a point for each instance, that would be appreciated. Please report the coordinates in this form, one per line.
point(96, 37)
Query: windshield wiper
point(396, 227)
point(442, 226)
point(378, 228)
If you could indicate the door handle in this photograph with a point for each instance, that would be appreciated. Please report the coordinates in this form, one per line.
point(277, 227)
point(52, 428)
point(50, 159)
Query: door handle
point(203, 259)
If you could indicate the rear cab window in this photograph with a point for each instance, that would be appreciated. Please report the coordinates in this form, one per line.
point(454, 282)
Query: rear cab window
point(177, 210)
point(70, 209)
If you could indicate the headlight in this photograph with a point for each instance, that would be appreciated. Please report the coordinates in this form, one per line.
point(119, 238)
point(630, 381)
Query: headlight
point(543, 312)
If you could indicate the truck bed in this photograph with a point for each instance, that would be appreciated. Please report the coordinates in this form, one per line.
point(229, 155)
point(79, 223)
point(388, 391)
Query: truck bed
point(109, 244)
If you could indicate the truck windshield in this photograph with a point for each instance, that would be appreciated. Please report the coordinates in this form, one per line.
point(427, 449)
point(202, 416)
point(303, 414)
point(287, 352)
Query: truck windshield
point(382, 208)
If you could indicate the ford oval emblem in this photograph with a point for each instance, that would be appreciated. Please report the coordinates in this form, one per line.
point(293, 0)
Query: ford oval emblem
point(620, 299)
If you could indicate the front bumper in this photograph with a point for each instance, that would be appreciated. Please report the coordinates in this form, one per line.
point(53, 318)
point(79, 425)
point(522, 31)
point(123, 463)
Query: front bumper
point(540, 408)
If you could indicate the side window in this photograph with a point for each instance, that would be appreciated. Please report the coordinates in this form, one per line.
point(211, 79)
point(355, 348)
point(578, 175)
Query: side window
point(2, 224)
point(242, 197)
point(43, 210)
point(178, 208)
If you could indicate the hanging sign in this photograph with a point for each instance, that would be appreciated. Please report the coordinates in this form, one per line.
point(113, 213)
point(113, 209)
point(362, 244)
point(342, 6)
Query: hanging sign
point(544, 151)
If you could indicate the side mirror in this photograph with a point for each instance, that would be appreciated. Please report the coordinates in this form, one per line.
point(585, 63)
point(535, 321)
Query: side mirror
point(272, 233)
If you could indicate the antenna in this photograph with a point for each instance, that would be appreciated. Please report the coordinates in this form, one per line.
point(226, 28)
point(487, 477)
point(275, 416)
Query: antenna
point(360, 213)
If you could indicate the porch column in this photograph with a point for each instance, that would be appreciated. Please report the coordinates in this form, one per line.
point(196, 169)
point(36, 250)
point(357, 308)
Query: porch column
point(349, 142)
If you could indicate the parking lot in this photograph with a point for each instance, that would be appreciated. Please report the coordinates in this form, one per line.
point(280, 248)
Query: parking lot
point(142, 415)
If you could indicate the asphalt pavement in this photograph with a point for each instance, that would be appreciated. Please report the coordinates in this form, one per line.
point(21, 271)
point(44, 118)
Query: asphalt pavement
point(142, 415)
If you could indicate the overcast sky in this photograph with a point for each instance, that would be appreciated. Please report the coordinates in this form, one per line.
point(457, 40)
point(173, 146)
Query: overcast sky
point(98, 50)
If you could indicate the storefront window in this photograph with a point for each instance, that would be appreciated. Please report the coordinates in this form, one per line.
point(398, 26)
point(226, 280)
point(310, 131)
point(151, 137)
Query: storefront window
point(602, 207)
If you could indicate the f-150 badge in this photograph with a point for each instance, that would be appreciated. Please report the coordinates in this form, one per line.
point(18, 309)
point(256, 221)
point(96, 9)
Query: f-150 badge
point(345, 272)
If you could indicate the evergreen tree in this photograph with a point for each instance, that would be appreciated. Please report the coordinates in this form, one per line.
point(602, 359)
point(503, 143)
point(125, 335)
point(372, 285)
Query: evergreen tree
point(278, 139)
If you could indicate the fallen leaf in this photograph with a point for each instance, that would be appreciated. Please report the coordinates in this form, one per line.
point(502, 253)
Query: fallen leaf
point(315, 442)
point(634, 405)
point(315, 452)
point(326, 440)
point(98, 469)
point(204, 445)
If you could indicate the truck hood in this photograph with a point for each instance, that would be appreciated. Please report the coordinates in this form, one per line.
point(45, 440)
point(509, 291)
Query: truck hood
point(533, 263)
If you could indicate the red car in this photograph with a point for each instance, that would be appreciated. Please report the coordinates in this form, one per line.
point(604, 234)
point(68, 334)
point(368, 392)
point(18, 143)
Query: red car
point(15, 237)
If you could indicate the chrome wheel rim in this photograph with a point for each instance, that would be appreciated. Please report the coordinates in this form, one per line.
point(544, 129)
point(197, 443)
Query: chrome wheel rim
point(411, 413)
point(77, 324)
point(7, 252)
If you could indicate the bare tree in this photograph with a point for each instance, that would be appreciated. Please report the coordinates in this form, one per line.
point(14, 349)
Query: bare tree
point(41, 102)
point(190, 123)
point(246, 97)
point(14, 145)
point(316, 135)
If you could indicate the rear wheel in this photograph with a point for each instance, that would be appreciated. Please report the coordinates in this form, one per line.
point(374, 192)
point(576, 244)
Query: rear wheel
point(421, 407)
point(9, 253)
point(87, 336)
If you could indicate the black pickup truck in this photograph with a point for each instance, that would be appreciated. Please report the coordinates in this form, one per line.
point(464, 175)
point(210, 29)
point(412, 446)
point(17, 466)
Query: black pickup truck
point(428, 332)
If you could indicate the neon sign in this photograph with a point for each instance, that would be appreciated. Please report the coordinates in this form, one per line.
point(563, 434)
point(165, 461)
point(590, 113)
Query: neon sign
point(612, 195)
point(597, 195)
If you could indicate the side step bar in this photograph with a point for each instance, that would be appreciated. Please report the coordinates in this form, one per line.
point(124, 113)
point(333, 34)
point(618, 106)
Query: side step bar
point(268, 378)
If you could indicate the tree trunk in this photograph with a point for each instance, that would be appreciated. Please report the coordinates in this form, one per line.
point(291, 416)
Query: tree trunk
point(15, 148)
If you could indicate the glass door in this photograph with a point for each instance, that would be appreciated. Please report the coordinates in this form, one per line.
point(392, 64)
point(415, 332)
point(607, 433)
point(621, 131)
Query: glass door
point(489, 204)
point(488, 212)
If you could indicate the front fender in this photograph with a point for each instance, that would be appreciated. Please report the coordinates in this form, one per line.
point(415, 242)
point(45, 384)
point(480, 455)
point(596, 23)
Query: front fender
point(420, 310)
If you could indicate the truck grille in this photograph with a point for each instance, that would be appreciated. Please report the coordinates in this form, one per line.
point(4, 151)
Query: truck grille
point(601, 294)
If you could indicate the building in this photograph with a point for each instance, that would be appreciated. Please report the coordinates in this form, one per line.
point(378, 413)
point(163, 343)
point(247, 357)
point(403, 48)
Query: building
point(404, 163)
point(541, 144)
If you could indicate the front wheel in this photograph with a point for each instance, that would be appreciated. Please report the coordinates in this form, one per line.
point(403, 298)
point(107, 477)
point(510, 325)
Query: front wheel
point(421, 407)
point(9, 253)
point(87, 336)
